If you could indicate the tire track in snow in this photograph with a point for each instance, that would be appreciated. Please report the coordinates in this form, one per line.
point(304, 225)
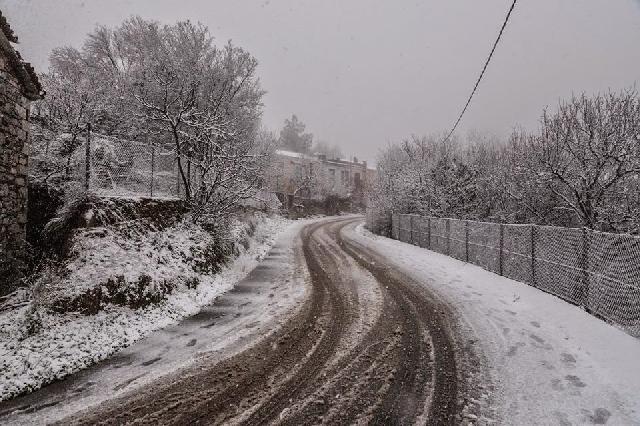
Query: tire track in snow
point(363, 348)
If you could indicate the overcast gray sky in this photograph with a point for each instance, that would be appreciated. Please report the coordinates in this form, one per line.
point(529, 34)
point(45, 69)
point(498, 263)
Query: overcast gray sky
point(361, 73)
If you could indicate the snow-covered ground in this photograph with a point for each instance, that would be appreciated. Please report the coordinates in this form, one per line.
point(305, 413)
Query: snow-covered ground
point(551, 362)
point(69, 342)
point(255, 307)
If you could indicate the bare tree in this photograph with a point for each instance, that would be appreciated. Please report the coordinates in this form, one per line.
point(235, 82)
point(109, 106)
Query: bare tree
point(170, 83)
point(581, 169)
point(588, 149)
point(71, 103)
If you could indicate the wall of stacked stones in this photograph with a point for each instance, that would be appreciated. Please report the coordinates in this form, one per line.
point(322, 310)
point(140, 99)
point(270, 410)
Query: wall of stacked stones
point(14, 131)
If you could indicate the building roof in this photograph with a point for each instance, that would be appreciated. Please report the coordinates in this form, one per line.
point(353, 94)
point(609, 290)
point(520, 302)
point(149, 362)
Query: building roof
point(315, 157)
point(23, 71)
point(293, 154)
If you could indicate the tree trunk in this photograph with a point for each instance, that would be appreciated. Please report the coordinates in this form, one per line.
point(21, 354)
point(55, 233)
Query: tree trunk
point(185, 181)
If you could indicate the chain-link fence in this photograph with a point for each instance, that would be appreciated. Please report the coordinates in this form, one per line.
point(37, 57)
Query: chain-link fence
point(595, 270)
point(115, 167)
point(378, 222)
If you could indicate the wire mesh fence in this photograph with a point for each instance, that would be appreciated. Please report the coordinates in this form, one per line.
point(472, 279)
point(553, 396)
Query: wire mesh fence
point(595, 270)
point(115, 167)
point(378, 222)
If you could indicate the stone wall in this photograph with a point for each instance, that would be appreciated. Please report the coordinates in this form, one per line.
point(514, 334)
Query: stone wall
point(14, 131)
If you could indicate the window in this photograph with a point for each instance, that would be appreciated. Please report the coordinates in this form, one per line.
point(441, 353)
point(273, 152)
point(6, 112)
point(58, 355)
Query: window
point(344, 177)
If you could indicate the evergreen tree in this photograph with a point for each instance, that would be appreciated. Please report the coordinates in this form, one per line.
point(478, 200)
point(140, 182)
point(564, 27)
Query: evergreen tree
point(293, 137)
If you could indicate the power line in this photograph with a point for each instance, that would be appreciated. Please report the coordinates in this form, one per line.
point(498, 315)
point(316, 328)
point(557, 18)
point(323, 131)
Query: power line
point(473, 92)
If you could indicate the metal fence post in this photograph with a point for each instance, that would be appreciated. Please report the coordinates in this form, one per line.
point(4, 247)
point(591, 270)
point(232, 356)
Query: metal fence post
point(153, 159)
point(411, 229)
point(501, 250)
point(533, 254)
point(584, 263)
point(394, 226)
point(87, 158)
point(448, 227)
point(466, 240)
point(429, 233)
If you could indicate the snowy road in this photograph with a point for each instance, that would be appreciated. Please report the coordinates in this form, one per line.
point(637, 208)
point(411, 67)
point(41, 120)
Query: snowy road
point(363, 347)
point(338, 326)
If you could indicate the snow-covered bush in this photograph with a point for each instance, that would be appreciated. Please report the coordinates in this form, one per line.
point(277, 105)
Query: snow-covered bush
point(582, 168)
point(38, 345)
point(38, 289)
point(135, 265)
point(127, 252)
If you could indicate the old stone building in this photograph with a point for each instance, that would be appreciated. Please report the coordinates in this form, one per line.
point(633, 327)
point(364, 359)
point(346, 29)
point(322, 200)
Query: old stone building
point(18, 87)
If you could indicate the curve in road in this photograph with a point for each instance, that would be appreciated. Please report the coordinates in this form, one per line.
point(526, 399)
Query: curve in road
point(365, 347)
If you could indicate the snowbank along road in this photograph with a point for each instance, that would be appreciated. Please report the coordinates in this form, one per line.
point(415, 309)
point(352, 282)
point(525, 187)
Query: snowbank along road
point(367, 345)
point(549, 362)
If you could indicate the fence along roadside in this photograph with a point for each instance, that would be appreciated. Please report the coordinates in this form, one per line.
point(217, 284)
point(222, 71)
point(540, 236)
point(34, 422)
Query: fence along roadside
point(110, 166)
point(597, 271)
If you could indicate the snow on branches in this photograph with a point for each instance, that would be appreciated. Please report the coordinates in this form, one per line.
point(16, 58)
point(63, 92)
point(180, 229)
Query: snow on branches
point(167, 85)
point(582, 168)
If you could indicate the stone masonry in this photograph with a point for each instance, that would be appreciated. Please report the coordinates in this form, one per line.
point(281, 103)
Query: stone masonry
point(18, 87)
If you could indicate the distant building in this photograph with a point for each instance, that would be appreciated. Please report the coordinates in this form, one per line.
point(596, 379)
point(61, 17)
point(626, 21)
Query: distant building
point(19, 86)
point(316, 176)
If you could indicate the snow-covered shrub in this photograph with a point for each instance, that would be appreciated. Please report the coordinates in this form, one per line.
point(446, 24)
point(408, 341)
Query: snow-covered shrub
point(132, 265)
point(251, 227)
point(117, 290)
point(66, 343)
point(136, 263)
point(38, 284)
point(129, 252)
point(58, 230)
point(580, 169)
